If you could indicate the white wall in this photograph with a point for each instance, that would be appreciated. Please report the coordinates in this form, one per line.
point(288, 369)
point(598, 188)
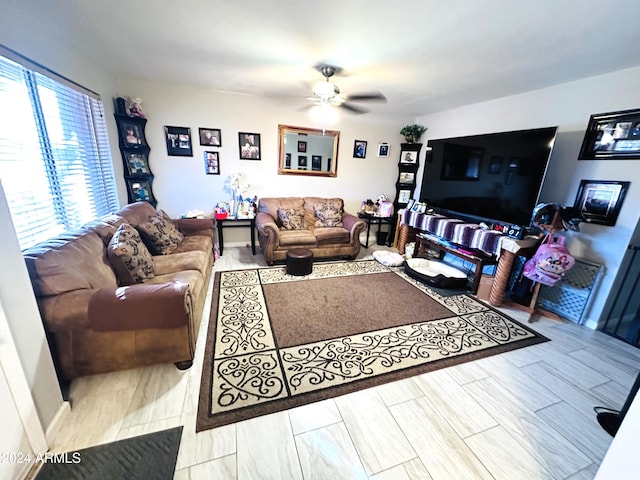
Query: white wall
point(568, 106)
point(181, 183)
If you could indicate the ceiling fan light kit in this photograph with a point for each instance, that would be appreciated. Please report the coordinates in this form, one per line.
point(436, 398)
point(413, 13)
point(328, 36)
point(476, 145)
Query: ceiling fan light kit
point(326, 95)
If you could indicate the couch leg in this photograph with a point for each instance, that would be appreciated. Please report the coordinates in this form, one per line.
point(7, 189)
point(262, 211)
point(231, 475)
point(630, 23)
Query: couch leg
point(184, 365)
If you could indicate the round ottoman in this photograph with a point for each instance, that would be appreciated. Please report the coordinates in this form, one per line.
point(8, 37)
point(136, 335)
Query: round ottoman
point(299, 261)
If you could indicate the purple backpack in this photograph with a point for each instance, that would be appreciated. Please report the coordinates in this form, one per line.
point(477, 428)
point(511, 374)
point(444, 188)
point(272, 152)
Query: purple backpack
point(550, 262)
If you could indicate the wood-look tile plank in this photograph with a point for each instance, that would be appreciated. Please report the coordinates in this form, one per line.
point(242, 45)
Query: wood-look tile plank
point(220, 469)
point(505, 458)
point(531, 393)
point(412, 470)
point(149, 427)
point(612, 394)
point(468, 372)
point(315, 415)
point(581, 399)
point(266, 449)
point(588, 473)
point(620, 372)
point(572, 370)
point(376, 436)
point(328, 452)
point(583, 432)
point(441, 451)
point(560, 456)
point(398, 392)
point(453, 403)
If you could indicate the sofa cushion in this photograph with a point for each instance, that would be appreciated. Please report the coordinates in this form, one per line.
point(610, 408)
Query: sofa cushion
point(71, 261)
point(160, 234)
point(292, 218)
point(290, 238)
point(271, 205)
point(137, 212)
point(328, 213)
point(129, 257)
point(331, 235)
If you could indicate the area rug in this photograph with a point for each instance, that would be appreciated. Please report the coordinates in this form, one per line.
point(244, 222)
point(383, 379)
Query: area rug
point(277, 341)
point(147, 456)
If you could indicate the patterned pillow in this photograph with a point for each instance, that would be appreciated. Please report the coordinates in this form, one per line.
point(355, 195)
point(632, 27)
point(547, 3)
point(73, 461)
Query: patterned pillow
point(328, 214)
point(129, 257)
point(159, 234)
point(292, 218)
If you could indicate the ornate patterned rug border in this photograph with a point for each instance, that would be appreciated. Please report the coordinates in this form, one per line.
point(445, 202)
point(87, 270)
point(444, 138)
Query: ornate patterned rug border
point(270, 359)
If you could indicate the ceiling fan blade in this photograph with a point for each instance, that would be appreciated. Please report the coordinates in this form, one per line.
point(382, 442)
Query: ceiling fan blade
point(353, 108)
point(367, 97)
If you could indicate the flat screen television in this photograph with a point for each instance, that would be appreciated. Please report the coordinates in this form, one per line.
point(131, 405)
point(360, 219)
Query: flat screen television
point(494, 177)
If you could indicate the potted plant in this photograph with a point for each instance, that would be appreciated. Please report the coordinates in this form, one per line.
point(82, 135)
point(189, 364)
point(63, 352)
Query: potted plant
point(412, 133)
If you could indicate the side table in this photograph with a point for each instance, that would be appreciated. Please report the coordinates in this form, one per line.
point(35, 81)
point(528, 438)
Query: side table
point(237, 223)
point(373, 220)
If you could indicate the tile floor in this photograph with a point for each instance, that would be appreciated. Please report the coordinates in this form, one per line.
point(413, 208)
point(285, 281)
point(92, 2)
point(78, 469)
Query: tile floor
point(526, 414)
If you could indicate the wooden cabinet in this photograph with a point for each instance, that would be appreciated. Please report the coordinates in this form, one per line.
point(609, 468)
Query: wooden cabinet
point(135, 158)
point(407, 171)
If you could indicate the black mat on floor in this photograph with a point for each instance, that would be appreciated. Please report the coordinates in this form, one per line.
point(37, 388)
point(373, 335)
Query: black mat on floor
point(151, 456)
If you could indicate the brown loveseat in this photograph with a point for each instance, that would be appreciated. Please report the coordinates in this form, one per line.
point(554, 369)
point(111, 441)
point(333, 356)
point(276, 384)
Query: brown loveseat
point(96, 319)
point(319, 224)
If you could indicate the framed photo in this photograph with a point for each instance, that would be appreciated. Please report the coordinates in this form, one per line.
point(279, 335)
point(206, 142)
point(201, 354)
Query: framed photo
point(287, 160)
point(383, 149)
point(407, 178)
point(249, 144)
point(612, 136)
point(210, 137)
point(178, 141)
point(600, 201)
point(404, 196)
point(137, 163)
point(132, 132)
point(316, 162)
point(212, 163)
point(140, 189)
point(408, 156)
point(359, 149)
point(302, 146)
point(302, 162)
point(496, 164)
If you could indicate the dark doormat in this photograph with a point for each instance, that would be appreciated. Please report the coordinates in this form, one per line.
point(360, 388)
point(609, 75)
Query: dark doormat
point(151, 456)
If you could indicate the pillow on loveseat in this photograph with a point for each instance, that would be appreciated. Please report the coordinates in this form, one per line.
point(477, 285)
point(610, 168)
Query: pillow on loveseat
point(129, 257)
point(292, 218)
point(328, 214)
point(160, 234)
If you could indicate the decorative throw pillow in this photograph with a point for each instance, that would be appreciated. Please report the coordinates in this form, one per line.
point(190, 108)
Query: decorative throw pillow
point(129, 257)
point(160, 235)
point(292, 218)
point(328, 214)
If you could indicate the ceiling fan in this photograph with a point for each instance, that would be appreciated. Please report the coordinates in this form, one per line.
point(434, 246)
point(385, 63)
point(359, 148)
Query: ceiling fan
point(326, 92)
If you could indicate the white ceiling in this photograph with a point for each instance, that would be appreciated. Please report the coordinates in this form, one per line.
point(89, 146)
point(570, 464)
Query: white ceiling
point(424, 55)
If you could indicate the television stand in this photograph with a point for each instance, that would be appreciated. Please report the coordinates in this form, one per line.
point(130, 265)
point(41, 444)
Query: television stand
point(478, 259)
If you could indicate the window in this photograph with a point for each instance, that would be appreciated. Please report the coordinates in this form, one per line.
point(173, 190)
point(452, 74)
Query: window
point(55, 161)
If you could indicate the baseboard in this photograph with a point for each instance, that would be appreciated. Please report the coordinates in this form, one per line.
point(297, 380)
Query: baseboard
point(58, 420)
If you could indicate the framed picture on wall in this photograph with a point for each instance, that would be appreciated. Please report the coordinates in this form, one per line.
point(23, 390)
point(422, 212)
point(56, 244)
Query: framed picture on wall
point(302, 146)
point(210, 137)
point(212, 163)
point(249, 144)
point(600, 201)
point(359, 149)
point(137, 163)
point(612, 136)
point(408, 156)
point(178, 141)
point(383, 149)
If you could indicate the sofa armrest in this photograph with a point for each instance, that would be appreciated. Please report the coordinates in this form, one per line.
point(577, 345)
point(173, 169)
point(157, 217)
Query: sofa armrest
point(67, 311)
point(195, 226)
point(140, 306)
point(266, 225)
point(350, 222)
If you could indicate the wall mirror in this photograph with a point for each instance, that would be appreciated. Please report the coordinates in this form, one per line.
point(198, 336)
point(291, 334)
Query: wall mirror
point(307, 151)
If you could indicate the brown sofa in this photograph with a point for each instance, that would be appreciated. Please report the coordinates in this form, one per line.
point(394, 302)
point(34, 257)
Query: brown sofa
point(342, 240)
point(96, 321)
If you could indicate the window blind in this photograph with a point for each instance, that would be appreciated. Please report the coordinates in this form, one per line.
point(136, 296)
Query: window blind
point(55, 160)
